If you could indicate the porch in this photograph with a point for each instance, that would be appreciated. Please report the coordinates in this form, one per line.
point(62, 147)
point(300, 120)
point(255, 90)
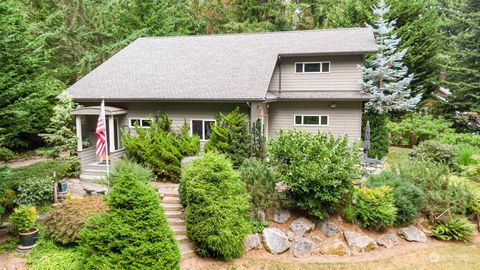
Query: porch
point(92, 166)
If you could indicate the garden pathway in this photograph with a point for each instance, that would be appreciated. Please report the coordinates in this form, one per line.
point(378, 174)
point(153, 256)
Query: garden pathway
point(174, 211)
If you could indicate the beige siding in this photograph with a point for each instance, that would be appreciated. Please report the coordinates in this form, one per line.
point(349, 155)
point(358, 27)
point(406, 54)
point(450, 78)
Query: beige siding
point(344, 119)
point(344, 75)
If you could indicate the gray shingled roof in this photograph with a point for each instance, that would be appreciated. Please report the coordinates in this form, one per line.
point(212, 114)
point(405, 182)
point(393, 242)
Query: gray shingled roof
point(212, 67)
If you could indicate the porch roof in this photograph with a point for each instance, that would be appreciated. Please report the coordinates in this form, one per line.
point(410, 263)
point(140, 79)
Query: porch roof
point(95, 110)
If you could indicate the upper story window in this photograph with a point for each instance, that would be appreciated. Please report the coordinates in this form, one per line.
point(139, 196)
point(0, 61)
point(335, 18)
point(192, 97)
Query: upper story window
point(311, 120)
point(141, 122)
point(312, 67)
point(202, 128)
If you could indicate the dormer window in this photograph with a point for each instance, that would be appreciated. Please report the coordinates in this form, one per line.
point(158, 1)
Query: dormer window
point(312, 67)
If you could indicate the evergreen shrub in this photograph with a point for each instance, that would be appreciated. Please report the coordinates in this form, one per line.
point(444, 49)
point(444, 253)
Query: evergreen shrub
point(436, 152)
point(318, 169)
point(375, 207)
point(132, 234)
point(127, 166)
point(378, 133)
point(217, 207)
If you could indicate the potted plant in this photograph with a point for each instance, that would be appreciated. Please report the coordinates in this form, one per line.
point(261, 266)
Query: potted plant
point(23, 219)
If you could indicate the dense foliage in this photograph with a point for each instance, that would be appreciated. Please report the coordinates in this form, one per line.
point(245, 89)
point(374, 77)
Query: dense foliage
point(375, 208)
point(63, 223)
point(408, 197)
point(378, 133)
point(132, 234)
point(160, 149)
point(259, 181)
point(318, 168)
point(230, 136)
point(35, 191)
point(23, 218)
point(217, 207)
point(456, 228)
point(436, 152)
point(125, 166)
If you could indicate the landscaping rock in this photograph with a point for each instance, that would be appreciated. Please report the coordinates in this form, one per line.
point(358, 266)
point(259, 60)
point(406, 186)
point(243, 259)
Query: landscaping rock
point(317, 241)
point(412, 234)
point(388, 240)
point(252, 241)
point(301, 225)
point(359, 243)
point(290, 235)
point(328, 228)
point(302, 247)
point(281, 216)
point(275, 241)
point(336, 248)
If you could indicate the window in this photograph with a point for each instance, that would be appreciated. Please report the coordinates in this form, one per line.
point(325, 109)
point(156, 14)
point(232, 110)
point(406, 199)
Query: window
point(141, 122)
point(202, 128)
point(312, 67)
point(311, 120)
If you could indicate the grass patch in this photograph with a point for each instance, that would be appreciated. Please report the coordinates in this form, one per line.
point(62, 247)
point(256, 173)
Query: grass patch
point(8, 242)
point(396, 156)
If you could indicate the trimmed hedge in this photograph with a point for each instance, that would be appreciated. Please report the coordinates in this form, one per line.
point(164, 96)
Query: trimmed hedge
point(217, 207)
point(318, 168)
point(133, 234)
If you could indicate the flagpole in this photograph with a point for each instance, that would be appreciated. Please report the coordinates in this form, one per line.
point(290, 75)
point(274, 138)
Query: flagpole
point(106, 138)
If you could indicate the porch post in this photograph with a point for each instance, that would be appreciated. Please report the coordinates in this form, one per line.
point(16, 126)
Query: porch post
point(78, 122)
point(111, 134)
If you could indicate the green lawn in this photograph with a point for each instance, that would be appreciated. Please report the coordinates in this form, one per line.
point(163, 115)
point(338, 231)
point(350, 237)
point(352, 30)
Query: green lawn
point(397, 155)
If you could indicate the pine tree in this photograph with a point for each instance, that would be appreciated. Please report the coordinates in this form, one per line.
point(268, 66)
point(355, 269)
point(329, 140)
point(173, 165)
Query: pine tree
point(386, 77)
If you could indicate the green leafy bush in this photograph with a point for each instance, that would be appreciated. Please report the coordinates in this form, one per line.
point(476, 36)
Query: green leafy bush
point(63, 223)
point(23, 218)
point(318, 168)
point(6, 154)
point(457, 228)
point(436, 152)
point(348, 213)
point(415, 128)
point(378, 133)
point(216, 207)
point(127, 166)
point(231, 137)
point(375, 207)
point(35, 191)
point(159, 149)
point(259, 181)
point(459, 138)
point(408, 197)
point(132, 234)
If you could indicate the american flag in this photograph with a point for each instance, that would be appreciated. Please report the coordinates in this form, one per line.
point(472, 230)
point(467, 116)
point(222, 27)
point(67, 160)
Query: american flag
point(101, 147)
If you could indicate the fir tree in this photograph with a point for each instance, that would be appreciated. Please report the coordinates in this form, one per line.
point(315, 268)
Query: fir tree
point(386, 77)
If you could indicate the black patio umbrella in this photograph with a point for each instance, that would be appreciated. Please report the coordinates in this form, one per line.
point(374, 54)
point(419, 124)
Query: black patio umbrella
point(366, 139)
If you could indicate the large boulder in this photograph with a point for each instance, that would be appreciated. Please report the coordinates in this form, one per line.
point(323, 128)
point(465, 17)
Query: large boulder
point(301, 225)
point(275, 241)
point(388, 240)
point(336, 248)
point(328, 228)
point(252, 241)
point(281, 216)
point(412, 234)
point(359, 243)
point(303, 247)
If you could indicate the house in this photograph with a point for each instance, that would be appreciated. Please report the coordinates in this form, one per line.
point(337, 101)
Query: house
point(299, 79)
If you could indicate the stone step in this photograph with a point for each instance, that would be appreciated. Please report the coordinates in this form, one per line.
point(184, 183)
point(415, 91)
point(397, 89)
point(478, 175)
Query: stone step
point(172, 207)
point(181, 238)
point(170, 200)
point(179, 229)
point(174, 214)
point(168, 195)
point(186, 250)
point(175, 221)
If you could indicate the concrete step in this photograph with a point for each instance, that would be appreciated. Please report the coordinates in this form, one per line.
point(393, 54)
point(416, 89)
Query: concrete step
point(179, 230)
point(99, 167)
point(181, 238)
point(94, 172)
point(92, 178)
point(186, 250)
point(175, 221)
point(174, 214)
point(170, 200)
point(172, 207)
point(168, 195)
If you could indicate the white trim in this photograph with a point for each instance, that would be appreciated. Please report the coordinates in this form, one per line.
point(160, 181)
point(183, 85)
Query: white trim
point(140, 120)
point(315, 62)
point(203, 127)
point(311, 125)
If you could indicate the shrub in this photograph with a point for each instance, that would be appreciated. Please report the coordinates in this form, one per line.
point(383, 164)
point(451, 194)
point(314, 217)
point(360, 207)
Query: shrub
point(23, 218)
point(230, 136)
point(127, 166)
point(159, 149)
point(216, 207)
point(465, 154)
point(6, 154)
point(35, 191)
point(459, 138)
point(378, 132)
point(436, 152)
point(457, 228)
point(415, 128)
point(375, 207)
point(188, 145)
point(132, 234)
point(318, 168)
point(64, 222)
point(259, 143)
point(348, 213)
point(259, 181)
point(408, 197)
